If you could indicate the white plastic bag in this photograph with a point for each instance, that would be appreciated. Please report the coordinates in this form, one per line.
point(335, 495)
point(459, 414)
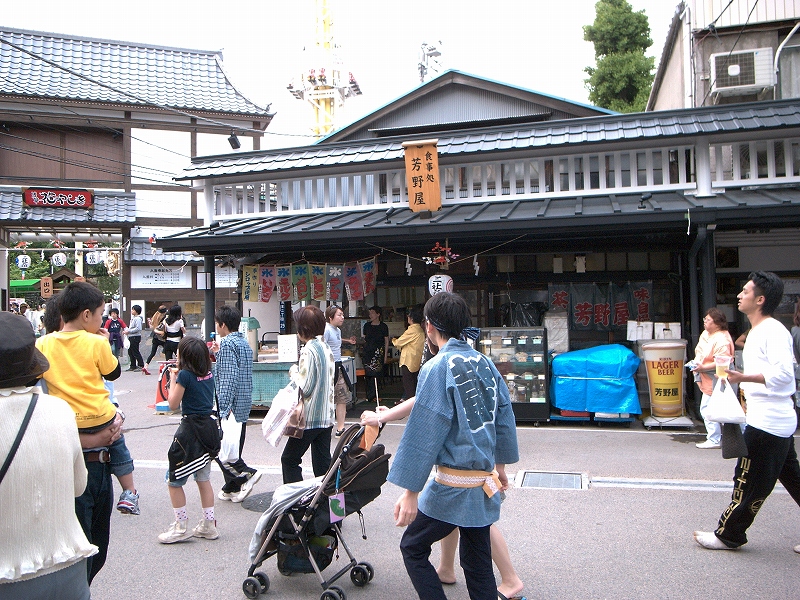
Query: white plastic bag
point(279, 411)
point(724, 407)
point(231, 435)
point(126, 343)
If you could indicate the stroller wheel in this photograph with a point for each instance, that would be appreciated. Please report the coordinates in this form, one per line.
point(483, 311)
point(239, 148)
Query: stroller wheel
point(263, 580)
point(333, 593)
point(251, 587)
point(369, 569)
point(359, 576)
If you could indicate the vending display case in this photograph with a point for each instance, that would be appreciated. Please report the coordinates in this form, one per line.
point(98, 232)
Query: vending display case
point(520, 354)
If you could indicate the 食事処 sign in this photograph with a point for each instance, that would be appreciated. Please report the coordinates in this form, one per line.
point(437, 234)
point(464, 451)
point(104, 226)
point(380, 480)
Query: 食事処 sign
point(422, 175)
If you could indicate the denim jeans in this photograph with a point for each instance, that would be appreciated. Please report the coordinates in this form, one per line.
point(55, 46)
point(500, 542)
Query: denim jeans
point(475, 553)
point(713, 430)
point(121, 461)
point(93, 509)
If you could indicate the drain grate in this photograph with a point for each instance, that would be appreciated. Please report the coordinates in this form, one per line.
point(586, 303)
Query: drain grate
point(557, 481)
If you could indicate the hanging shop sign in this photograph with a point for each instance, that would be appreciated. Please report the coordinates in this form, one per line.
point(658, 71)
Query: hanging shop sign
point(440, 283)
point(602, 307)
point(58, 198)
point(422, 175)
point(46, 287)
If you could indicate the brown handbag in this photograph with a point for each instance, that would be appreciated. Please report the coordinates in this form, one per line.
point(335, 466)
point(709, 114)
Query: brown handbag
point(297, 420)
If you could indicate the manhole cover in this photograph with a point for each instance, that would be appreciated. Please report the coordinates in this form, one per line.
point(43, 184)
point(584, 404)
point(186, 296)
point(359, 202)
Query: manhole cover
point(558, 481)
point(258, 502)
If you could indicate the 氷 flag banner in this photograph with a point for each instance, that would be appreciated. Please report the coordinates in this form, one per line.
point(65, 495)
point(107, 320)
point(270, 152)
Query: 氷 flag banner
point(368, 269)
point(266, 275)
point(353, 281)
point(284, 283)
point(300, 282)
point(317, 282)
point(334, 283)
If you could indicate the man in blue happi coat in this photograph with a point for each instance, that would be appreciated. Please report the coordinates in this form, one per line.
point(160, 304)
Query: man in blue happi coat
point(463, 424)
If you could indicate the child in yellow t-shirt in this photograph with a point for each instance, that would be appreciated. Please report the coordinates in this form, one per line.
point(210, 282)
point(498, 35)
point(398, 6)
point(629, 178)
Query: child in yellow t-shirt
point(80, 358)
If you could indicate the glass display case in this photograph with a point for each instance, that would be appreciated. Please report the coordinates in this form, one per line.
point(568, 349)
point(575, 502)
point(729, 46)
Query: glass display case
point(520, 354)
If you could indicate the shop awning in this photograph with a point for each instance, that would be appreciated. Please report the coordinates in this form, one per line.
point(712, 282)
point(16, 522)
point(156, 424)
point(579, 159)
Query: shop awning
point(666, 220)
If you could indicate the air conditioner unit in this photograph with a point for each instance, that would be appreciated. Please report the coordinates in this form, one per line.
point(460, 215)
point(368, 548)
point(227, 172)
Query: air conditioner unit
point(742, 72)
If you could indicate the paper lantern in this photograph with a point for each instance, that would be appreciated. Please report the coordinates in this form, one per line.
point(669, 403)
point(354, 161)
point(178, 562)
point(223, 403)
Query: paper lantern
point(440, 283)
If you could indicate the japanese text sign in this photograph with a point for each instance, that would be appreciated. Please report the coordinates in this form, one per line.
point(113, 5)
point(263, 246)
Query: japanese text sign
point(422, 175)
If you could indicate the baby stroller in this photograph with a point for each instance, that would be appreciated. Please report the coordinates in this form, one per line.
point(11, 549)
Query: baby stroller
point(297, 528)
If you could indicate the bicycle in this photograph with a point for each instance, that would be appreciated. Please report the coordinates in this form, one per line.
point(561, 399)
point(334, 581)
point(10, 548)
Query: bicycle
point(163, 378)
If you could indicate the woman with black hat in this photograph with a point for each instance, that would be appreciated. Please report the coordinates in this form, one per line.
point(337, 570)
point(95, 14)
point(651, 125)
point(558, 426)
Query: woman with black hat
point(44, 552)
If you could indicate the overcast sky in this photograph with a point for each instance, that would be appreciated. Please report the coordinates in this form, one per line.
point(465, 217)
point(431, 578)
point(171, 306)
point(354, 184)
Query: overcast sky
point(536, 44)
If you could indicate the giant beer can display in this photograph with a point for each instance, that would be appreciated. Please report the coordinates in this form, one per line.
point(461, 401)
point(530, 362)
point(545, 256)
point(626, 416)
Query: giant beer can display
point(665, 376)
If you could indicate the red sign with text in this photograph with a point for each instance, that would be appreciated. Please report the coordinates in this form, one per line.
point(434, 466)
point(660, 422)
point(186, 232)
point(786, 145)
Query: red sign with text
point(57, 198)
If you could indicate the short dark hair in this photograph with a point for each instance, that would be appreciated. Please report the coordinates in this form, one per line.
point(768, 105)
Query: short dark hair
point(52, 314)
point(193, 356)
point(310, 322)
point(331, 311)
point(718, 317)
point(448, 313)
point(416, 313)
point(137, 308)
point(114, 310)
point(770, 286)
point(77, 297)
point(228, 316)
point(377, 309)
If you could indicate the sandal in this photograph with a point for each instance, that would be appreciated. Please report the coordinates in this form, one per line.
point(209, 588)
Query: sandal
point(339, 433)
point(502, 597)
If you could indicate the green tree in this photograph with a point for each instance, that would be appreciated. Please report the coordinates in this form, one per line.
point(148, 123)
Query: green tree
point(623, 76)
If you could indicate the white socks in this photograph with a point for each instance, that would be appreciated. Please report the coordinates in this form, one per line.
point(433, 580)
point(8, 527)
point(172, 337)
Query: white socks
point(208, 513)
point(707, 539)
point(180, 514)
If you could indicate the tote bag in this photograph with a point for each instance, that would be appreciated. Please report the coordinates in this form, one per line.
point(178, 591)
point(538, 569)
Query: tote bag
point(724, 407)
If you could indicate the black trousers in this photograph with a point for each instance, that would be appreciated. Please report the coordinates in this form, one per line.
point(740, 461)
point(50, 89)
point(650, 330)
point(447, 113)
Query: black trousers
point(133, 352)
point(93, 509)
point(409, 382)
point(156, 343)
point(320, 442)
point(475, 553)
point(236, 473)
point(769, 459)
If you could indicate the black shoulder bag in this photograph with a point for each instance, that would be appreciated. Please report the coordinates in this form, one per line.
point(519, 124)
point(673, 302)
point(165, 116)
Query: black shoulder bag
point(18, 439)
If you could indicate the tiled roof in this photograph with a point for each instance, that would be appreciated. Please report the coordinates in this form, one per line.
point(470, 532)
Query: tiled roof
point(572, 132)
point(615, 217)
point(140, 250)
point(109, 208)
point(172, 77)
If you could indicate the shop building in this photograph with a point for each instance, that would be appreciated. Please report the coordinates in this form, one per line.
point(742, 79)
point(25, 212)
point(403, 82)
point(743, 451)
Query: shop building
point(670, 199)
point(75, 117)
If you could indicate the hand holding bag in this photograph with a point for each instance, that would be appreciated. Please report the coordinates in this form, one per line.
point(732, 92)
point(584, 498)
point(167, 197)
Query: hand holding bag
point(297, 418)
point(281, 408)
point(160, 330)
point(231, 435)
point(724, 407)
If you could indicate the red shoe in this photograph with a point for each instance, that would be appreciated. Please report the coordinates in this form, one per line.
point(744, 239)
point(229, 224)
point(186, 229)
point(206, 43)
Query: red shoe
point(145, 371)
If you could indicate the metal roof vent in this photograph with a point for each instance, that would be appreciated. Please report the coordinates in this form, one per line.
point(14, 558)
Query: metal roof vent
point(550, 480)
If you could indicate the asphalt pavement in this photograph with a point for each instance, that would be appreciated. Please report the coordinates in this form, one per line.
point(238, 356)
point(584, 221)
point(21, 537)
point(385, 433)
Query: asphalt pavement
point(627, 534)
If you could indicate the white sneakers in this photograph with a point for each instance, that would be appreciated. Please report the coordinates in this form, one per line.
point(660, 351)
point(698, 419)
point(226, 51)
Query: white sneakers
point(206, 529)
point(708, 444)
point(244, 492)
point(178, 532)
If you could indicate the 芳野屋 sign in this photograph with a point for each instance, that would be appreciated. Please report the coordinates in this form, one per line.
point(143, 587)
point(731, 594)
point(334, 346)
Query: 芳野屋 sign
point(57, 198)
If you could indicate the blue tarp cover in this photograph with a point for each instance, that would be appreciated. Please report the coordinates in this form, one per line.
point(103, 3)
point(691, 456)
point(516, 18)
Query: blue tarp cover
point(597, 379)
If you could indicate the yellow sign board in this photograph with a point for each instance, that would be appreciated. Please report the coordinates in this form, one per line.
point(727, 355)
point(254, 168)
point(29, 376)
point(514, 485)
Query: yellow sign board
point(422, 175)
